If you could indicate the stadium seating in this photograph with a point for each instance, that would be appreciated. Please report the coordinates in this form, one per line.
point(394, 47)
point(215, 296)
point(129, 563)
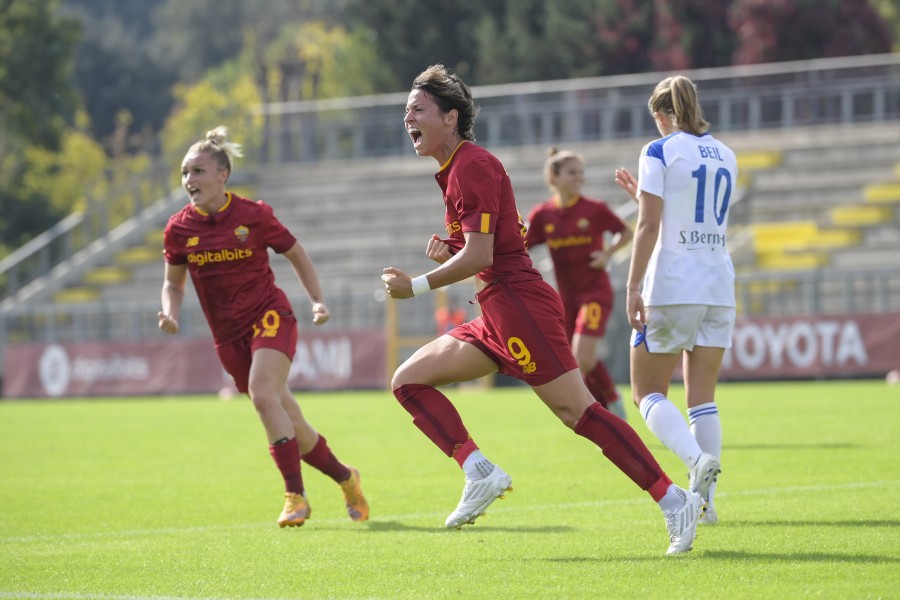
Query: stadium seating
point(815, 198)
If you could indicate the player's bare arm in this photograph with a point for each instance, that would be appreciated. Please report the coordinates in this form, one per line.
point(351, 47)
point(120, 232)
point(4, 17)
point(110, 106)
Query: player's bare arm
point(306, 272)
point(647, 232)
point(172, 296)
point(621, 240)
point(475, 256)
point(437, 250)
point(627, 182)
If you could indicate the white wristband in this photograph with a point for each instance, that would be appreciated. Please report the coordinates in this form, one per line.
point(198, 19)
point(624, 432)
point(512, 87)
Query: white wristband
point(420, 285)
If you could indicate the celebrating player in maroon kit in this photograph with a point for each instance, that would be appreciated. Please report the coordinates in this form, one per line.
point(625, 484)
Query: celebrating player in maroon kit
point(223, 241)
point(520, 331)
point(573, 227)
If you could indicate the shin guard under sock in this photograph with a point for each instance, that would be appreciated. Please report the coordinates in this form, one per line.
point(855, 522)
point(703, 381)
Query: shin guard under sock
point(324, 460)
point(437, 418)
point(624, 448)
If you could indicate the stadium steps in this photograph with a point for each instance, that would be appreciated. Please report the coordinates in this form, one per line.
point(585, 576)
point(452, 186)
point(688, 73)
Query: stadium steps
point(798, 245)
point(748, 163)
point(107, 275)
point(355, 218)
point(754, 293)
point(138, 255)
point(855, 215)
point(882, 192)
point(77, 295)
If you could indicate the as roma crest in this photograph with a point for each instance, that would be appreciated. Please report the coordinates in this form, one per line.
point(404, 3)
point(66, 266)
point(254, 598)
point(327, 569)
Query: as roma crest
point(242, 233)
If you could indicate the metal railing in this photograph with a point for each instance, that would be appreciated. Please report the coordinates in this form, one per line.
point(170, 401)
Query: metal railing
point(805, 93)
point(791, 94)
point(52, 249)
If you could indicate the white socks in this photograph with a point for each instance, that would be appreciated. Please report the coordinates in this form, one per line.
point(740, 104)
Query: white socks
point(707, 430)
point(673, 500)
point(668, 424)
point(477, 466)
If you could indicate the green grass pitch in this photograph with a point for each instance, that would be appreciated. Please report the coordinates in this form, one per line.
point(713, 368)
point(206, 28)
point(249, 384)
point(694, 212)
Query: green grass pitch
point(177, 498)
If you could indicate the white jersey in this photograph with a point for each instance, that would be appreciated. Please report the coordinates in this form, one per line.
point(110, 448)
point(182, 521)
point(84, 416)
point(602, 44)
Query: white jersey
point(696, 176)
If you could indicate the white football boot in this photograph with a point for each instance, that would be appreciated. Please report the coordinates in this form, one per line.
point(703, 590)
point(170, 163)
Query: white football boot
point(477, 496)
point(682, 523)
point(703, 475)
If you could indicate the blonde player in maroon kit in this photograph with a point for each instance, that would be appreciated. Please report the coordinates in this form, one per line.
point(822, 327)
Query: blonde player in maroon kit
point(520, 331)
point(573, 228)
point(222, 240)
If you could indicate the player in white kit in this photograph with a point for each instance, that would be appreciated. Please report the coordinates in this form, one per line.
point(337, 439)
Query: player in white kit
point(680, 293)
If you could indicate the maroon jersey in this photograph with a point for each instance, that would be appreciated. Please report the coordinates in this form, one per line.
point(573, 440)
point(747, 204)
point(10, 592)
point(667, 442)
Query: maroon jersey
point(478, 197)
point(572, 232)
point(227, 256)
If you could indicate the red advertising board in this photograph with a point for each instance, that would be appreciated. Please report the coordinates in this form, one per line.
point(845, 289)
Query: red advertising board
point(821, 346)
point(170, 366)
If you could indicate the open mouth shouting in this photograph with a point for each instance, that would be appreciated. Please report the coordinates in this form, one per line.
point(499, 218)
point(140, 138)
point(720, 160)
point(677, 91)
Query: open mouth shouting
point(415, 135)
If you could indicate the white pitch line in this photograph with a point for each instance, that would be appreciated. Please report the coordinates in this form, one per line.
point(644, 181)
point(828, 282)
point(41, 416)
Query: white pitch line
point(513, 507)
point(74, 596)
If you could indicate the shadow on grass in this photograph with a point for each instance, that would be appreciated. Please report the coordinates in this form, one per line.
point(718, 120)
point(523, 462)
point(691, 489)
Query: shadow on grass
point(792, 557)
point(846, 523)
point(799, 557)
point(394, 526)
point(787, 446)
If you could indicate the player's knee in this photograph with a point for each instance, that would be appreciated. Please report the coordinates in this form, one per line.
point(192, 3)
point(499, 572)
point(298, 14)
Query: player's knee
point(569, 418)
point(402, 376)
point(263, 399)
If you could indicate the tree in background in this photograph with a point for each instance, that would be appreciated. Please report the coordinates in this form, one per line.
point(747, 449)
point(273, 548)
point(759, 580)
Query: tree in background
point(780, 30)
point(889, 10)
point(410, 35)
point(114, 72)
point(486, 41)
point(36, 92)
point(534, 40)
point(690, 34)
point(220, 98)
point(37, 104)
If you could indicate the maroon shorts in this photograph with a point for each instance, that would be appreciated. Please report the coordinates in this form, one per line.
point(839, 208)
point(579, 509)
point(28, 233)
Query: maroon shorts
point(587, 316)
point(521, 328)
point(275, 329)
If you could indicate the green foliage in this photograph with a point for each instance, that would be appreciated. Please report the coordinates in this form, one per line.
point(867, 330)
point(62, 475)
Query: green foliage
point(534, 40)
point(193, 37)
point(317, 59)
point(114, 73)
point(66, 177)
point(222, 98)
point(37, 101)
point(412, 34)
point(777, 30)
point(36, 93)
point(177, 498)
point(890, 12)
point(178, 68)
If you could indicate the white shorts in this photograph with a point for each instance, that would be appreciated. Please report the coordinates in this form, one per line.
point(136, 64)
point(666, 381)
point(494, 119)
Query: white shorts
point(671, 329)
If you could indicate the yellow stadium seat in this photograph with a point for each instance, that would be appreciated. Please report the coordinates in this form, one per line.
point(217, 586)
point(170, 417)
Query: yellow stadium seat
point(139, 254)
point(758, 160)
point(794, 261)
point(154, 237)
point(76, 295)
point(882, 192)
point(107, 275)
point(769, 237)
point(799, 236)
point(855, 215)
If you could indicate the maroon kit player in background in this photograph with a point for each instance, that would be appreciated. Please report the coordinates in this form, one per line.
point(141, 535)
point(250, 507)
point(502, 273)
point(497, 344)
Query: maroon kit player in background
point(573, 228)
point(223, 241)
point(520, 331)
